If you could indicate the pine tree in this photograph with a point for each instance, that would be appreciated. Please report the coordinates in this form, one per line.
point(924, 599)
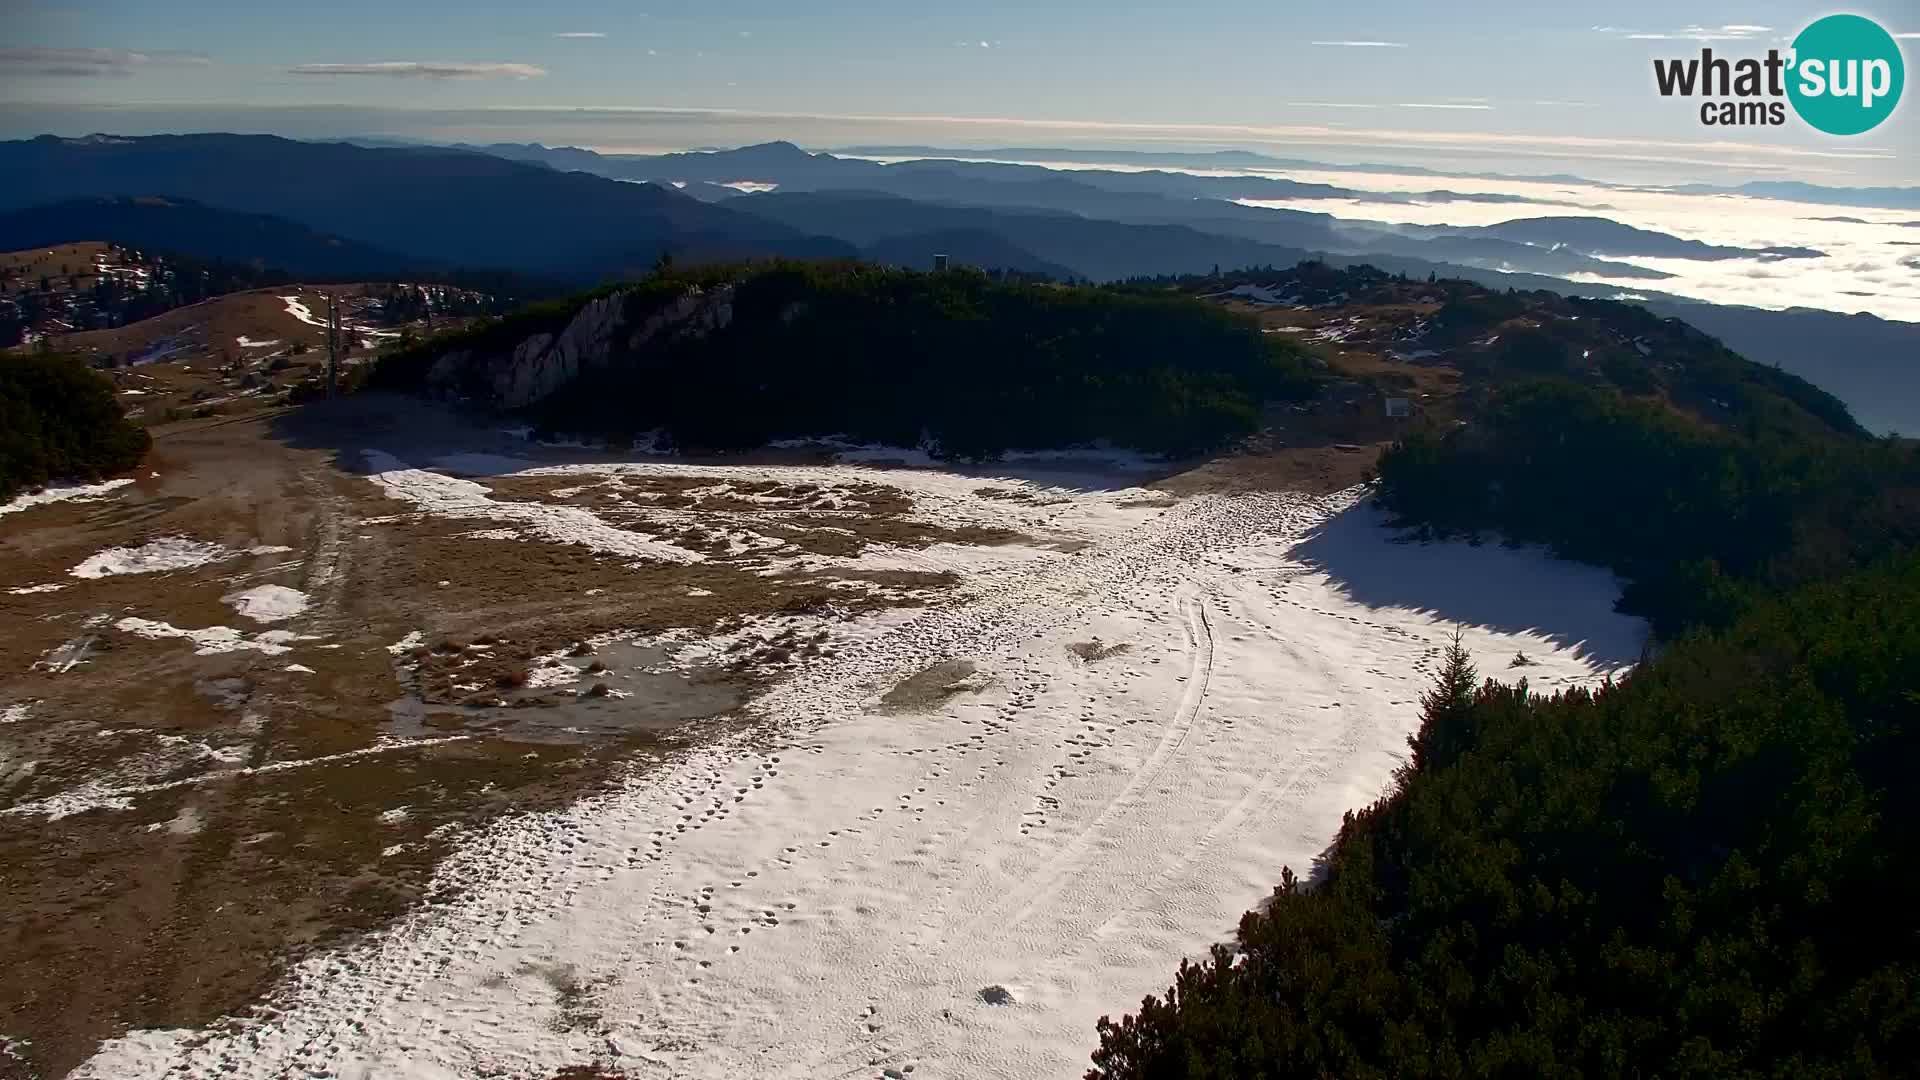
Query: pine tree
point(1446, 711)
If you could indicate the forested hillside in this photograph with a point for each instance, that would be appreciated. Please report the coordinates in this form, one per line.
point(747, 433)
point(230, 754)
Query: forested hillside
point(1700, 520)
point(1698, 872)
point(1701, 872)
point(959, 360)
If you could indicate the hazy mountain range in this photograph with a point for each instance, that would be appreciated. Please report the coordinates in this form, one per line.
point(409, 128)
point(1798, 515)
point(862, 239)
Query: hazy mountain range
point(452, 206)
point(579, 217)
point(1893, 198)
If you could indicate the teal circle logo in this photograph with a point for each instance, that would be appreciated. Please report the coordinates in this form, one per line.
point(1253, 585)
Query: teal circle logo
point(1847, 74)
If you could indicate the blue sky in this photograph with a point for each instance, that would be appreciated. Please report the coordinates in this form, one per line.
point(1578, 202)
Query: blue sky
point(1502, 84)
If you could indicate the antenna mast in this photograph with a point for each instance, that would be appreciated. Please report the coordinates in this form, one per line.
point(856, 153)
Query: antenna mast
point(333, 346)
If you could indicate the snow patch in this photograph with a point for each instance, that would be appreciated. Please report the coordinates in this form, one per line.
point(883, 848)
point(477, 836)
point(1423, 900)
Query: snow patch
point(453, 497)
point(213, 640)
point(164, 554)
point(29, 590)
point(186, 823)
point(551, 675)
point(63, 493)
point(267, 603)
point(300, 311)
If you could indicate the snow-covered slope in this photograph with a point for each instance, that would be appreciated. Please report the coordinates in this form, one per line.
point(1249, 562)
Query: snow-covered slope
point(829, 897)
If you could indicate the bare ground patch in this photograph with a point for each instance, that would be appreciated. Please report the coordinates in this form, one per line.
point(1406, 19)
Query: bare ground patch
point(932, 687)
point(1092, 652)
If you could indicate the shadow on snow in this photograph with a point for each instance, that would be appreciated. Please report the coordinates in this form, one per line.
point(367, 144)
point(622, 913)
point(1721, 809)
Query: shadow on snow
point(1505, 589)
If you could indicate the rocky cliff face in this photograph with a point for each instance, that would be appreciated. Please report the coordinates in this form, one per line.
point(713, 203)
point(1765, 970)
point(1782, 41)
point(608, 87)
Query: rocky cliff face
point(604, 329)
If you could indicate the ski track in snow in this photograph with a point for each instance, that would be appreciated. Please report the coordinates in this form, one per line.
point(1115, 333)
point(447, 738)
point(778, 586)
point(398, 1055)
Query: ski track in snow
point(827, 896)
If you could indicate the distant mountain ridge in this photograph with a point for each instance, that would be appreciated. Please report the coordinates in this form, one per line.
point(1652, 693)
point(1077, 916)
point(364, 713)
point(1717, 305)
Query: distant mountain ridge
point(1598, 235)
point(1146, 197)
point(456, 207)
point(1890, 198)
point(336, 203)
point(1893, 198)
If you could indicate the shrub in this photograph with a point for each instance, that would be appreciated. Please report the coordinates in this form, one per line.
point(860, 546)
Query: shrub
point(61, 421)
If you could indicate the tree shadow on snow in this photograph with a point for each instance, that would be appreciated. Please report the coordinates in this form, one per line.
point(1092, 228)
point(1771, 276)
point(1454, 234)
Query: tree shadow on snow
point(471, 442)
point(1487, 585)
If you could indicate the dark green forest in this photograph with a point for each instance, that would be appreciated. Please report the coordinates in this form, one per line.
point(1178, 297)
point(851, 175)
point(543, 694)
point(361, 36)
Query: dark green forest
point(1700, 520)
point(60, 421)
point(974, 364)
point(1701, 871)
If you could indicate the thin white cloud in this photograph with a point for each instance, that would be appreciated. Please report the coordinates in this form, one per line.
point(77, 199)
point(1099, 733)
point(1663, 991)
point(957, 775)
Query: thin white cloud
point(424, 69)
point(1468, 103)
point(92, 63)
point(580, 34)
point(1363, 44)
point(1912, 35)
point(1695, 32)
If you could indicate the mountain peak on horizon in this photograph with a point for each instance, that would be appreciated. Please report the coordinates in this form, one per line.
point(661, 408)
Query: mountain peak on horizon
point(778, 148)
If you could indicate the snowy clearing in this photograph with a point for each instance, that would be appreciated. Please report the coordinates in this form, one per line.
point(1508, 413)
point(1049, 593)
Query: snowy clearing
point(1106, 757)
point(62, 493)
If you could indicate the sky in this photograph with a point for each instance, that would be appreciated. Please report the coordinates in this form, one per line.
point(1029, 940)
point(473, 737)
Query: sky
point(1492, 84)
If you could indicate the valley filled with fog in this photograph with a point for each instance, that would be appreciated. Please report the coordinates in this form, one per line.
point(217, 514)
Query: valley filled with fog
point(1870, 260)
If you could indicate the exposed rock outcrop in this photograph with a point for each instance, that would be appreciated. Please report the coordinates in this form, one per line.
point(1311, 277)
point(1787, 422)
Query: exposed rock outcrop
point(602, 331)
